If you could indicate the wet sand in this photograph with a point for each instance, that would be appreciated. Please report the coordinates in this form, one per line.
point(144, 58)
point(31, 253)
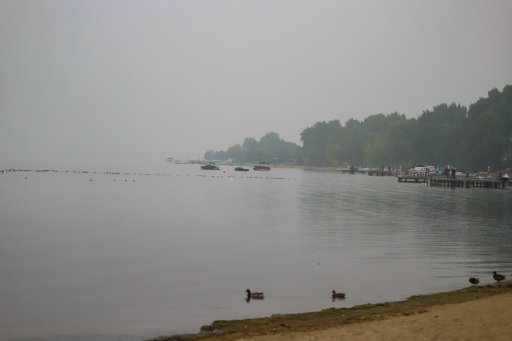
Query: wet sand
point(483, 319)
point(473, 313)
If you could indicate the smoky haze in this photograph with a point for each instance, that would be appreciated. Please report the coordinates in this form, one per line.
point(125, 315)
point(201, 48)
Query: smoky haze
point(101, 79)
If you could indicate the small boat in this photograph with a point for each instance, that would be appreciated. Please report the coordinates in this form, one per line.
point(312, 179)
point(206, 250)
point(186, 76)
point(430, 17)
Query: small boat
point(262, 166)
point(241, 169)
point(210, 166)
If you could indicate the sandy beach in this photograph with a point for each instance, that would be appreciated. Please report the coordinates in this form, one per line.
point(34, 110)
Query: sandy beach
point(473, 313)
point(481, 319)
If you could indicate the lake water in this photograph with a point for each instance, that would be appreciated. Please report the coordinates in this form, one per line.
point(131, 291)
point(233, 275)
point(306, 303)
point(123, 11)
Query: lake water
point(166, 250)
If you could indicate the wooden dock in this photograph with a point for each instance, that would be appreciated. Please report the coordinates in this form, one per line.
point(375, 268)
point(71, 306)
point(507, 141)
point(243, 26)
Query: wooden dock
point(467, 182)
point(347, 170)
point(413, 178)
point(378, 172)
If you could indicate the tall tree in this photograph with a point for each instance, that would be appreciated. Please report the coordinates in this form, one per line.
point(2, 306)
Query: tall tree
point(269, 146)
point(250, 148)
point(315, 141)
point(490, 130)
point(440, 134)
point(236, 153)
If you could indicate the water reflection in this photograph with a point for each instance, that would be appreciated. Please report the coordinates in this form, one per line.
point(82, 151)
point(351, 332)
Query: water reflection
point(435, 234)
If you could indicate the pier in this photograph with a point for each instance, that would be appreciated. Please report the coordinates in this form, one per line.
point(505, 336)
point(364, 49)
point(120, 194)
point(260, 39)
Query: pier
point(467, 182)
point(348, 170)
point(413, 178)
point(378, 172)
point(464, 182)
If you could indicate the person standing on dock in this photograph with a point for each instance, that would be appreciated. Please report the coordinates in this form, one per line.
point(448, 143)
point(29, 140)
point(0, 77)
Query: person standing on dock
point(504, 180)
point(453, 173)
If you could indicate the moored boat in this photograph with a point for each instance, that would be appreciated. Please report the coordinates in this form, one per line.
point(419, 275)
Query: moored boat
point(241, 169)
point(210, 166)
point(262, 166)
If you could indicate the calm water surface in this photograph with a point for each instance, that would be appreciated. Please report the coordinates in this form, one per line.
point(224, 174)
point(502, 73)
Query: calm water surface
point(174, 248)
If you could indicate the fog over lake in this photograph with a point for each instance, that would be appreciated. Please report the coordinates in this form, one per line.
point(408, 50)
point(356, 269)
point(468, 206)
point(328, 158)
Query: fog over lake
point(115, 243)
point(89, 80)
point(101, 256)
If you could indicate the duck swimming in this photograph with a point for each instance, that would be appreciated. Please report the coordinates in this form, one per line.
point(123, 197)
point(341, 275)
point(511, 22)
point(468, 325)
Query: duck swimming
point(336, 295)
point(254, 295)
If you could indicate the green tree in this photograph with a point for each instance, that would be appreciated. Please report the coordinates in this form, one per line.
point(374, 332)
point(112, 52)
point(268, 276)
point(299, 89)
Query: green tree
point(489, 133)
point(269, 146)
point(236, 153)
point(315, 141)
point(212, 155)
point(250, 149)
point(440, 135)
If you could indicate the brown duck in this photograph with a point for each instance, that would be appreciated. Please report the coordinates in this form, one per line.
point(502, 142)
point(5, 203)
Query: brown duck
point(498, 277)
point(254, 295)
point(336, 295)
point(474, 280)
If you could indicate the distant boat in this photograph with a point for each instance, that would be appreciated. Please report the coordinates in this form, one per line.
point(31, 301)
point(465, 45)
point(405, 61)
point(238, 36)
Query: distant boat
point(210, 166)
point(241, 169)
point(262, 166)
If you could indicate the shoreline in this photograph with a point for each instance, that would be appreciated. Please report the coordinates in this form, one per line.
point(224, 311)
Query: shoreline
point(336, 320)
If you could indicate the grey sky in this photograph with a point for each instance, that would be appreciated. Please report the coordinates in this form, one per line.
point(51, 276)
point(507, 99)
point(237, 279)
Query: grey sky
point(98, 78)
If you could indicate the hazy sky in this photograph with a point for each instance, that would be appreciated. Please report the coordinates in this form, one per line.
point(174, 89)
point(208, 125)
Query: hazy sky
point(87, 79)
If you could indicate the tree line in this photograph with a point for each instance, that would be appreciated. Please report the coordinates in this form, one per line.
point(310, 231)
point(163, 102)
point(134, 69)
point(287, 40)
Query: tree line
point(472, 139)
point(468, 138)
point(270, 148)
